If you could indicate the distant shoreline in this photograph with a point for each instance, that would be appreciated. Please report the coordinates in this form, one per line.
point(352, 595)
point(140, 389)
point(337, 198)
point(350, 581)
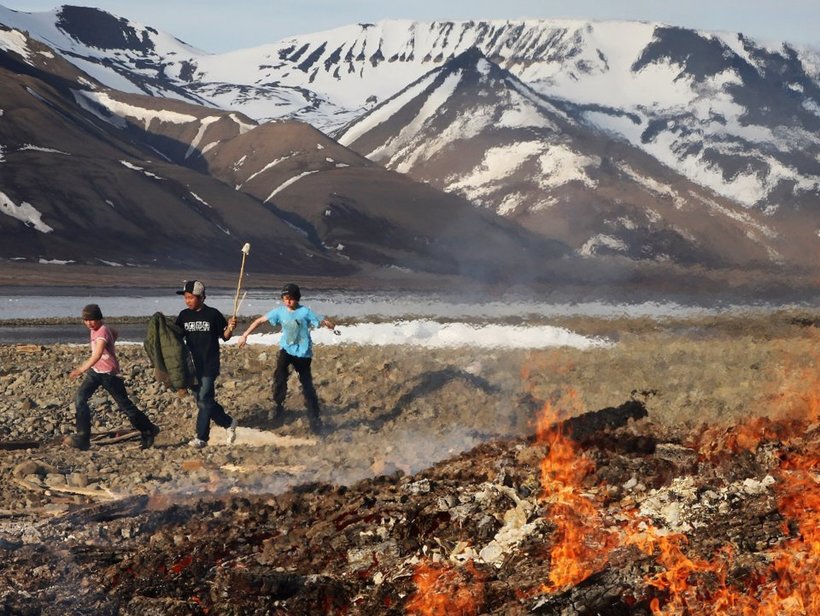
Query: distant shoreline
point(33, 279)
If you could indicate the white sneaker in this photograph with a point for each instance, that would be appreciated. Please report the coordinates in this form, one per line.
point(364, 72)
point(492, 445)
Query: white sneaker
point(231, 432)
point(197, 443)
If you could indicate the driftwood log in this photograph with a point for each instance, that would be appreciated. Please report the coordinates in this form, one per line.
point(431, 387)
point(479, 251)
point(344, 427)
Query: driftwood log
point(589, 426)
point(115, 436)
point(126, 507)
point(109, 437)
point(583, 427)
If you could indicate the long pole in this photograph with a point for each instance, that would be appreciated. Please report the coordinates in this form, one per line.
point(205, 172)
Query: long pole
point(245, 250)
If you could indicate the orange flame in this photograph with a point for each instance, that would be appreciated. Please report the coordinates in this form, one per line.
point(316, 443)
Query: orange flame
point(676, 581)
point(581, 546)
point(790, 587)
point(794, 400)
point(688, 585)
point(444, 590)
point(796, 566)
point(721, 442)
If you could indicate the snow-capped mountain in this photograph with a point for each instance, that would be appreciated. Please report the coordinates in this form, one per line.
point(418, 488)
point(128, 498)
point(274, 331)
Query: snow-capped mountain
point(635, 139)
point(75, 188)
point(97, 176)
point(472, 128)
point(732, 114)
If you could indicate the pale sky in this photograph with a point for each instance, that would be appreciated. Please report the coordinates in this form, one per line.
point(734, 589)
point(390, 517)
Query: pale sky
point(218, 25)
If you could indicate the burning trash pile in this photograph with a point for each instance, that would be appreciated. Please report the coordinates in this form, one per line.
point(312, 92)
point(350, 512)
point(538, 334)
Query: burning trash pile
point(600, 513)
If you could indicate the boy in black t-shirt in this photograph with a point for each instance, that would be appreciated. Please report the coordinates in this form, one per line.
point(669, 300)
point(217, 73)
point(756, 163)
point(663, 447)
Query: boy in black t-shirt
point(204, 327)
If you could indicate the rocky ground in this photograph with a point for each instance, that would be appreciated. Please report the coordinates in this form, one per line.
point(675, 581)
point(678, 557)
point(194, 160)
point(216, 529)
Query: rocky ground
point(383, 408)
point(429, 467)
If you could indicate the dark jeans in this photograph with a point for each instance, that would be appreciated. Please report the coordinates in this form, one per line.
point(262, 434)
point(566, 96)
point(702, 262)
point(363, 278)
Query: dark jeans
point(115, 386)
point(280, 381)
point(209, 408)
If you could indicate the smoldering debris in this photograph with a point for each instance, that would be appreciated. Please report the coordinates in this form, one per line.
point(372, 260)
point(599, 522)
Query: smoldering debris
point(486, 532)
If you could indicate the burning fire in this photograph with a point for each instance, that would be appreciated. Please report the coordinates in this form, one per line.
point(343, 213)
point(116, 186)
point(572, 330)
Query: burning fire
point(789, 584)
point(581, 546)
point(677, 580)
point(785, 582)
point(445, 590)
point(796, 567)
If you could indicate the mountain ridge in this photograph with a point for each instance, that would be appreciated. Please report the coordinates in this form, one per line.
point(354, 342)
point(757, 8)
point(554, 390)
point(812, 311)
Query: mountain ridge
point(130, 183)
point(683, 176)
point(554, 168)
point(692, 93)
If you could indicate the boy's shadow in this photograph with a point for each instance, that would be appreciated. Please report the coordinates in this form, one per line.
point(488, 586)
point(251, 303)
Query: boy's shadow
point(263, 418)
point(425, 384)
point(260, 418)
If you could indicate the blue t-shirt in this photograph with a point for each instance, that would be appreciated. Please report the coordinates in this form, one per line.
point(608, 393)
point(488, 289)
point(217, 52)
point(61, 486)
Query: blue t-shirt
point(296, 324)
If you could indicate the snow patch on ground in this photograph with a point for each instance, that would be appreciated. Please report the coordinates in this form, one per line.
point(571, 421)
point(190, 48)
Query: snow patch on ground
point(432, 334)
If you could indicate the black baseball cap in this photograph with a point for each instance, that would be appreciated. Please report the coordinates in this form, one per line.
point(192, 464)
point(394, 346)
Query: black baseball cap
point(292, 290)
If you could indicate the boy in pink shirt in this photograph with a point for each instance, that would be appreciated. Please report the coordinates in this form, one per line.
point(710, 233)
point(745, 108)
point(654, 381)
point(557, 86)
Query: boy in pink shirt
point(101, 370)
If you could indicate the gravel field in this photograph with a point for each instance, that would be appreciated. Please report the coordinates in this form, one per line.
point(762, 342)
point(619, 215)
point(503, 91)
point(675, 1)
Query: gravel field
point(385, 407)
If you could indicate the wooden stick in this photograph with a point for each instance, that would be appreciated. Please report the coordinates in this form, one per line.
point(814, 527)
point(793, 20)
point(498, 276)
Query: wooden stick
point(116, 439)
point(244, 295)
point(245, 250)
point(103, 493)
point(238, 286)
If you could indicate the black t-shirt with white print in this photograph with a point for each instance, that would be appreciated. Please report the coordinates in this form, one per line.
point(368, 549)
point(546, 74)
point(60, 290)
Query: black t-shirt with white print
point(203, 330)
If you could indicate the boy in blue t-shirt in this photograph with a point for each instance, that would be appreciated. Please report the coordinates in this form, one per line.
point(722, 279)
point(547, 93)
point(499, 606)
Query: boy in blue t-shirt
point(296, 350)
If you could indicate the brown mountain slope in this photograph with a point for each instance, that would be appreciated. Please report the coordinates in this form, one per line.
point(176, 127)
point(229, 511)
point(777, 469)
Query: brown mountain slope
point(74, 190)
point(97, 176)
point(473, 129)
point(338, 199)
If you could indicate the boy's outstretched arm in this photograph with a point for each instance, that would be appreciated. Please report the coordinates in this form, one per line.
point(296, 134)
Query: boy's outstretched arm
point(243, 339)
point(96, 353)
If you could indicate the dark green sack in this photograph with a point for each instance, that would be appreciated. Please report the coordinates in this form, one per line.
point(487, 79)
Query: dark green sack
point(169, 356)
